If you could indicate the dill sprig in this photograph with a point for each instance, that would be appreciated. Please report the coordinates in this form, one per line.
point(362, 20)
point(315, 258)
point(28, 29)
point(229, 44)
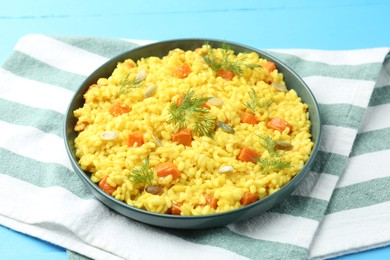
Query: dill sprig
point(254, 103)
point(142, 174)
point(265, 103)
point(191, 108)
point(225, 62)
point(269, 144)
point(204, 126)
point(127, 82)
point(275, 162)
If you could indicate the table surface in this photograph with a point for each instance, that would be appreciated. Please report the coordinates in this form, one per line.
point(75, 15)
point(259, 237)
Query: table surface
point(330, 25)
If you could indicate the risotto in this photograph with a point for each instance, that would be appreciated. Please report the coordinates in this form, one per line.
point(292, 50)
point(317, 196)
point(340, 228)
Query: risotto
point(194, 132)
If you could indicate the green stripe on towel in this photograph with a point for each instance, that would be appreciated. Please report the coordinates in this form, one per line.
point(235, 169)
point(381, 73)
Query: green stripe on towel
point(42, 174)
point(335, 114)
point(39, 71)
point(371, 141)
point(360, 195)
point(304, 207)
point(243, 245)
point(380, 96)
point(329, 163)
point(20, 114)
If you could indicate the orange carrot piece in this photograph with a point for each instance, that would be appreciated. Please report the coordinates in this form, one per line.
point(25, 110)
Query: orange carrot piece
point(205, 105)
point(92, 86)
point(179, 100)
point(107, 188)
point(225, 74)
point(248, 155)
point(249, 118)
point(211, 201)
point(80, 126)
point(167, 168)
point(270, 66)
point(249, 198)
point(183, 71)
point(176, 208)
point(136, 139)
point(118, 109)
point(278, 124)
point(183, 137)
point(130, 64)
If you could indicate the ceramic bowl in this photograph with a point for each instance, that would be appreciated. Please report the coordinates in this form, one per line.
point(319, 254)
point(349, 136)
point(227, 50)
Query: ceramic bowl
point(160, 49)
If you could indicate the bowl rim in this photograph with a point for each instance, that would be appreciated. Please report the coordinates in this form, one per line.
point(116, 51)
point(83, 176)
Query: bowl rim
point(296, 180)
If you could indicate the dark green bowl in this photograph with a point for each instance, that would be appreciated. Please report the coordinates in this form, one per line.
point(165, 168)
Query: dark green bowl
point(161, 49)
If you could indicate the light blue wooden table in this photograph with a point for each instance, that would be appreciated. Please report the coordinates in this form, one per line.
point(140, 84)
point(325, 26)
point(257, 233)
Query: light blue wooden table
point(332, 25)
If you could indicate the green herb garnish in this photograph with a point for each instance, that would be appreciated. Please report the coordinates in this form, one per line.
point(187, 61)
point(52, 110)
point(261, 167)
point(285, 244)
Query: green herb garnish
point(204, 125)
point(128, 82)
point(142, 174)
point(269, 144)
point(275, 162)
point(254, 103)
point(191, 109)
point(225, 60)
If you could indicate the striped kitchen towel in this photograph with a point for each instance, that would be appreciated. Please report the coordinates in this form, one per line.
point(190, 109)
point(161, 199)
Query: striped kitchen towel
point(358, 214)
point(41, 195)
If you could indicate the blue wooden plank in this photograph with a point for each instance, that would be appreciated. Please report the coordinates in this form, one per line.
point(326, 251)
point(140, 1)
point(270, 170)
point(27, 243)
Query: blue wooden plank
point(332, 24)
point(265, 24)
point(377, 254)
point(15, 245)
point(26, 9)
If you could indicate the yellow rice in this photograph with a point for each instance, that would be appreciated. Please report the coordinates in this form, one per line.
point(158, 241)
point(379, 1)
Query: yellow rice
point(200, 162)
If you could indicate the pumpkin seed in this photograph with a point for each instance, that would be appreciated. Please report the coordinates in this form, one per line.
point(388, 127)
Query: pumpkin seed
point(154, 189)
point(141, 75)
point(280, 145)
point(150, 91)
point(157, 140)
point(108, 135)
point(226, 168)
point(279, 86)
point(215, 101)
point(225, 127)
